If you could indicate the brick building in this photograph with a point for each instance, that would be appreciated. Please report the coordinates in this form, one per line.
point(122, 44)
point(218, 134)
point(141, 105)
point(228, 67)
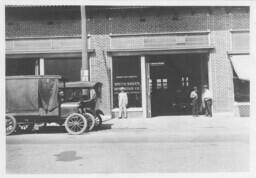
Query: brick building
point(157, 53)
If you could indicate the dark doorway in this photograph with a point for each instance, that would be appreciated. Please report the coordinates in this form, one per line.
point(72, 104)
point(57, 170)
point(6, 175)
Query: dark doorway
point(172, 78)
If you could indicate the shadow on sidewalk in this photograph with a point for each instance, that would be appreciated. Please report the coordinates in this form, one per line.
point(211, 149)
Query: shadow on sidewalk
point(104, 127)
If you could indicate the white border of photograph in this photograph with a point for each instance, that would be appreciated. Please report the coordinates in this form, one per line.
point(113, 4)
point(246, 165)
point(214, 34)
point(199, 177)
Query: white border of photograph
point(250, 3)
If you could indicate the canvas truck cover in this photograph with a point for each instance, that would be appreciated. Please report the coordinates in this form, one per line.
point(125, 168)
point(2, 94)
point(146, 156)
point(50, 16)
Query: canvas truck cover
point(29, 94)
point(21, 95)
point(48, 94)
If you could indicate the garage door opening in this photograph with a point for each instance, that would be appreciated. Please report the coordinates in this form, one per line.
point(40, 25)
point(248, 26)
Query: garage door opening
point(172, 78)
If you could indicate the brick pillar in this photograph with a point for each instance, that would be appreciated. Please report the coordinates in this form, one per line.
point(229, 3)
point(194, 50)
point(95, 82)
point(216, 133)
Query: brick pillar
point(220, 70)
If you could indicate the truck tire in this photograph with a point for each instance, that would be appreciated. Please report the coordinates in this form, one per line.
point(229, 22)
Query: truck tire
point(98, 122)
point(90, 120)
point(75, 124)
point(10, 124)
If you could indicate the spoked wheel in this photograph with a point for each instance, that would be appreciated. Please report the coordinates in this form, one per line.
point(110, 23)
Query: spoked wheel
point(75, 124)
point(10, 124)
point(90, 120)
point(98, 122)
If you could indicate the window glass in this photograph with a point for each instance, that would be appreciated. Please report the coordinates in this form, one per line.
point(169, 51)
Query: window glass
point(68, 68)
point(165, 83)
point(20, 67)
point(127, 74)
point(158, 83)
point(150, 85)
point(76, 94)
point(187, 81)
point(183, 81)
point(242, 90)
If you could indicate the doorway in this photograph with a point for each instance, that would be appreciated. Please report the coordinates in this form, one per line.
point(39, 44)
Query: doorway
point(172, 78)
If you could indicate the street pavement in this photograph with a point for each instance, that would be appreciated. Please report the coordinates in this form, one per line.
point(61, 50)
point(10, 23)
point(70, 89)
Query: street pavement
point(167, 144)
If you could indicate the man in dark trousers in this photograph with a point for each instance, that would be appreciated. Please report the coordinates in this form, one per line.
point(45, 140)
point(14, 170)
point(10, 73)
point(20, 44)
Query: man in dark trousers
point(195, 104)
point(207, 101)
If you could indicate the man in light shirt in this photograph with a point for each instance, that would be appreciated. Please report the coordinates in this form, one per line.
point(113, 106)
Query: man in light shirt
point(122, 102)
point(195, 105)
point(207, 101)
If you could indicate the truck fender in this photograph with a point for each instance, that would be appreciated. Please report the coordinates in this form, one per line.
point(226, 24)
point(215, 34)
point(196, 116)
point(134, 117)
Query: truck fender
point(99, 112)
point(91, 112)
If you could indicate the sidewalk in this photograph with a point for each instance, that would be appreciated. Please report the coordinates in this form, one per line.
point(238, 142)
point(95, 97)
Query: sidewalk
point(167, 122)
point(184, 126)
point(157, 129)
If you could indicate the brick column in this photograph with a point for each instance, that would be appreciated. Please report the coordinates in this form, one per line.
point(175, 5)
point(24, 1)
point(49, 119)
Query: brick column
point(220, 73)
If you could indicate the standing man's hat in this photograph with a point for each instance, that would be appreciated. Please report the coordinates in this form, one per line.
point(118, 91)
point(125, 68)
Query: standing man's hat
point(122, 88)
point(195, 87)
point(205, 86)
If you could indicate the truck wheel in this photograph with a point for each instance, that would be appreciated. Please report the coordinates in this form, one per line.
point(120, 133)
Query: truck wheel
point(98, 122)
point(90, 120)
point(75, 124)
point(10, 124)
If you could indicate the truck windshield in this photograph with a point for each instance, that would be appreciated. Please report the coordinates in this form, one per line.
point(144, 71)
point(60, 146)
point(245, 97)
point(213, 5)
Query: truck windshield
point(77, 94)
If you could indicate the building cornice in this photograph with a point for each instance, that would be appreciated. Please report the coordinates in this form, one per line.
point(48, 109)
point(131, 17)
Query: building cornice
point(162, 33)
point(238, 52)
point(154, 51)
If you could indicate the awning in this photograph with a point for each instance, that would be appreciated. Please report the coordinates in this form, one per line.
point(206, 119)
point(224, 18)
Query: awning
point(241, 65)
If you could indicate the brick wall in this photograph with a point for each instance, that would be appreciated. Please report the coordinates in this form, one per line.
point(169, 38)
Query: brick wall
point(153, 21)
point(219, 21)
point(42, 21)
point(222, 76)
point(240, 19)
point(101, 23)
point(150, 21)
point(100, 69)
point(65, 21)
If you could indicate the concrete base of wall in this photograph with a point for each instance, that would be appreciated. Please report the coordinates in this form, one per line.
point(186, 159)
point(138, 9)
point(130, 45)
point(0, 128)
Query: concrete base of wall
point(223, 114)
point(131, 112)
point(242, 109)
point(239, 110)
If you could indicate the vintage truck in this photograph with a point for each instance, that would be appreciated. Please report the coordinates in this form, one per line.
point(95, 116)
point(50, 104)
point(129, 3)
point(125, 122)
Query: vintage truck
point(45, 99)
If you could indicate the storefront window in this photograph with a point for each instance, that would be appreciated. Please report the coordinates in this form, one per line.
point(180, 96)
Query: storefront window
point(241, 74)
point(242, 90)
point(67, 68)
point(20, 67)
point(127, 74)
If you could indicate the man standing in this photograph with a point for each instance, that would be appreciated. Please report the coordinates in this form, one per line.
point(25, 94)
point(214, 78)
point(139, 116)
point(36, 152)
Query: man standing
point(207, 101)
point(122, 101)
point(195, 105)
